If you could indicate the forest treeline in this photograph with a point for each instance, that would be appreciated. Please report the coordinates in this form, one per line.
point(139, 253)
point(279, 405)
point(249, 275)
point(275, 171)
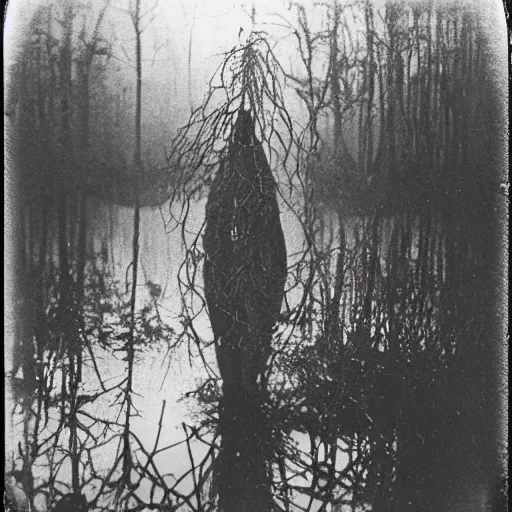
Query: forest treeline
point(385, 356)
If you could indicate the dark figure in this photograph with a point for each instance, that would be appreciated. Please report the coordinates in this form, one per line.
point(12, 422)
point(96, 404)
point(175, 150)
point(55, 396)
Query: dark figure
point(71, 503)
point(245, 272)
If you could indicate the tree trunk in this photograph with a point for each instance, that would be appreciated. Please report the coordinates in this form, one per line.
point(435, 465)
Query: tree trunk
point(245, 272)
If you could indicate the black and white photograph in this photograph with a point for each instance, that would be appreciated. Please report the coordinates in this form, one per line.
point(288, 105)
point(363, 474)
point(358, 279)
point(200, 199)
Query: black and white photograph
point(256, 255)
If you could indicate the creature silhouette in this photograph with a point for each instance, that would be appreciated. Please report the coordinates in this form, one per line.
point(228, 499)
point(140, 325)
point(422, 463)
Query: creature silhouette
point(245, 267)
point(244, 275)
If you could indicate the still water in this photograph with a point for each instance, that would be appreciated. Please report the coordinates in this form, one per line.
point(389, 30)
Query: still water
point(160, 376)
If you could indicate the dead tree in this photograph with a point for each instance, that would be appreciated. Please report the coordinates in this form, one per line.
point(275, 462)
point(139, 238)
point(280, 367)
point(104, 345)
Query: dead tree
point(244, 274)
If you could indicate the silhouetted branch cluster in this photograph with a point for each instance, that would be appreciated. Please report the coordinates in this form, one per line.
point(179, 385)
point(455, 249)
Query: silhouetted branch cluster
point(248, 77)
